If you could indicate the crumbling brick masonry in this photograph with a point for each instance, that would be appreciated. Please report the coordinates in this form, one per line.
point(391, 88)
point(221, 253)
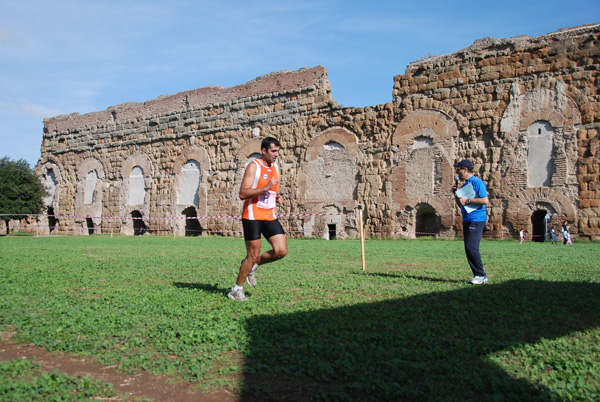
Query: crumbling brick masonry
point(524, 109)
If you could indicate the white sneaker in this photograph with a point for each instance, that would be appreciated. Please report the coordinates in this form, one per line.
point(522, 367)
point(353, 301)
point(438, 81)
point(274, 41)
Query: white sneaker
point(478, 280)
point(251, 278)
point(237, 295)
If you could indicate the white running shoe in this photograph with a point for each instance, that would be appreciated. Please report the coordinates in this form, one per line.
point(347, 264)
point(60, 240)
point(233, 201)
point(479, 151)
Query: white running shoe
point(237, 295)
point(478, 280)
point(251, 278)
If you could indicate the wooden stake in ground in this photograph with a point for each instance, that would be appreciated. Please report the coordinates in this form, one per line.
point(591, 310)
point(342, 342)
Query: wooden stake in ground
point(359, 218)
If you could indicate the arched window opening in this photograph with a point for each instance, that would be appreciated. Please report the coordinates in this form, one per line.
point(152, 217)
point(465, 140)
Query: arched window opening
point(422, 142)
point(421, 171)
point(90, 186)
point(190, 183)
point(192, 224)
point(539, 225)
point(540, 161)
point(137, 191)
point(333, 146)
point(139, 227)
point(331, 176)
point(50, 184)
point(90, 225)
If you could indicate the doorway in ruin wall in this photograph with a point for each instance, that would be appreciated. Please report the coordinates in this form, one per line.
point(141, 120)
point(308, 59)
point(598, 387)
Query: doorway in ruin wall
point(540, 221)
point(139, 226)
point(427, 221)
point(52, 221)
point(193, 228)
point(90, 226)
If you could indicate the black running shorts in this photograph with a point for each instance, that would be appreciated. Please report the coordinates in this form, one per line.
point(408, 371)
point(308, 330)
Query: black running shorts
point(253, 229)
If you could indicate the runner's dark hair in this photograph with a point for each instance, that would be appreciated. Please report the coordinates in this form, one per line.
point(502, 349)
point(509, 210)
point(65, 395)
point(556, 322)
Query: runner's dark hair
point(266, 143)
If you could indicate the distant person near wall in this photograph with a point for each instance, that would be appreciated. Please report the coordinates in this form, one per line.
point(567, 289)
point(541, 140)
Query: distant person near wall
point(522, 236)
point(565, 229)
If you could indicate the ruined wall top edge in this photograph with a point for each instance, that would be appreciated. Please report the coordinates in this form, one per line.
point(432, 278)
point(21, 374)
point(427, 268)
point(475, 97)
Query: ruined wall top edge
point(275, 82)
point(491, 45)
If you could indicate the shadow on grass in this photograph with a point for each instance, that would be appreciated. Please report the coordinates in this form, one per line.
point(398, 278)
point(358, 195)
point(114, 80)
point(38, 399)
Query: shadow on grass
point(427, 347)
point(201, 286)
point(419, 278)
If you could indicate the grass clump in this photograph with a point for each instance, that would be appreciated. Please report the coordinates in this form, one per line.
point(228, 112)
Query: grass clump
point(24, 380)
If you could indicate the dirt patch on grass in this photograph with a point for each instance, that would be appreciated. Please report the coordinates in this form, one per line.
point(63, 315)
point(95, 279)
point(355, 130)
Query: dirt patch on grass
point(133, 387)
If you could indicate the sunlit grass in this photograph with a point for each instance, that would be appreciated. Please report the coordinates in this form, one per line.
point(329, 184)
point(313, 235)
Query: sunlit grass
point(316, 325)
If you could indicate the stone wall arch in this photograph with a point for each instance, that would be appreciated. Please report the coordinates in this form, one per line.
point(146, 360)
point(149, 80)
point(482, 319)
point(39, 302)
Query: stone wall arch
point(51, 172)
point(434, 124)
point(556, 119)
point(200, 156)
point(93, 209)
point(405, 222)
point(327, 179)
point(248, 148)
point(42, 170)
point(143, 161)
point(52, 179)
point(420, 102)
point(423, 148)
point(519, 209)
point(549, 105)
point(340, 135)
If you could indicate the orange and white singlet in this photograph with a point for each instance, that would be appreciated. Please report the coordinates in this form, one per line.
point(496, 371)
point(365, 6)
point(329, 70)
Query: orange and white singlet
point(262, 207)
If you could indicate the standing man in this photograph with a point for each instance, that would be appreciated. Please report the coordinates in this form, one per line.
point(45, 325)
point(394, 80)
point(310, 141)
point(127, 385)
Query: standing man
point(259, 193)
point(472, 198)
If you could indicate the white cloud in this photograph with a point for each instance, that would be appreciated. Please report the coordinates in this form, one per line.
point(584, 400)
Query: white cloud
point(28, 110)
point(9, 38)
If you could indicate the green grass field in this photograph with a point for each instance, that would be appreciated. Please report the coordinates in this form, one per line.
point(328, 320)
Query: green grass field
point(317, 327)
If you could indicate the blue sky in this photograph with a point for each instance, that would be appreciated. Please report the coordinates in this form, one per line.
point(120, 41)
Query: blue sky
point(66, 56)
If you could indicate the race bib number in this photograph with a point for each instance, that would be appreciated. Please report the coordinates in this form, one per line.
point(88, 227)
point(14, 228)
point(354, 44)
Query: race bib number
point(267, 200)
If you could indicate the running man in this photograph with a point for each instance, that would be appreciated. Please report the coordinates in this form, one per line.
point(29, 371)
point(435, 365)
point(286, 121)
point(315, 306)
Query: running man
point(259, 193)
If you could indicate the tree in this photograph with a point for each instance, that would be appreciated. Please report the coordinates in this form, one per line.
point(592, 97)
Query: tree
point(21, 191)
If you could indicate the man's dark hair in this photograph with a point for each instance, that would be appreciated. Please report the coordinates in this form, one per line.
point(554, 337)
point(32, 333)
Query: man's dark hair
point(266, 143)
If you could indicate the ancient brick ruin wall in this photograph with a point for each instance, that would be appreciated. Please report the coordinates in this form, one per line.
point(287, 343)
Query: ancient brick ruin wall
point(482, 103)
point(219, 129)
point(494, 91)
